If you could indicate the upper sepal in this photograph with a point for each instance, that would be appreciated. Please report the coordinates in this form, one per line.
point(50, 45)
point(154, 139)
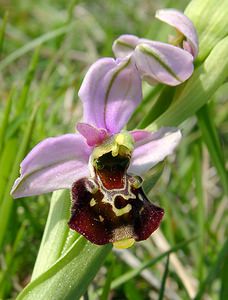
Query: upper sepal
point(110, 92)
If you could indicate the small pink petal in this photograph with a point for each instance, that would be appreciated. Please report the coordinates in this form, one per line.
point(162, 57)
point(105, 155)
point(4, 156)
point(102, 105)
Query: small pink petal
point(153, 149)
point(139, 135)
point(94, 136)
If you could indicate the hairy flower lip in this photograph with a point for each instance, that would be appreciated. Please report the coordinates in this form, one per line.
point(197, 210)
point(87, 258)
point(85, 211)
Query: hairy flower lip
point(97, 217)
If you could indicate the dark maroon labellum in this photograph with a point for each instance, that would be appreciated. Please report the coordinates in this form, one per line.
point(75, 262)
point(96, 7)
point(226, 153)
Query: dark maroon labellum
point(112, 206)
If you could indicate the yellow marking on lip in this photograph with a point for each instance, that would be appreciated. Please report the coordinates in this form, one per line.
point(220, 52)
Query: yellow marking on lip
point(101, 218)
point(137, 183)
point(92, 202)
point(121, 211)
point(120, 139)
point(140, 197)
point(123, 244)
point(141, 210)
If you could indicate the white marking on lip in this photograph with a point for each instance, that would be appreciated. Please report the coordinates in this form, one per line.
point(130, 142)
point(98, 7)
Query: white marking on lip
point(121, 211)
point(92, 202)
point(140, 197)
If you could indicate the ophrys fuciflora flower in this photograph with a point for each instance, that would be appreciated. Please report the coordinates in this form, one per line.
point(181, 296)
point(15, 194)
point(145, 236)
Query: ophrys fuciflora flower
point(102, 164)
point(111, 206)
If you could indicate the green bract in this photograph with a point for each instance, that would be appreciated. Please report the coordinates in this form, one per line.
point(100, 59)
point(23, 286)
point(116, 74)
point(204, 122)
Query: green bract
point(210, 19)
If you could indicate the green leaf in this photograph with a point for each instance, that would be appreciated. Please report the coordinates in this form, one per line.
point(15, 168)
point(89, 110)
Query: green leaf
point(211, 22)
point(11, 255)
point(6, 163)
point(70, 276)
point(159, 106)
point(28, 80)
point(199, 191)
point(131, 291)
point(34, 44)
point(7, 203)
point(214, 271)
point(107, 285)
point(133, 273)
point(5, 120)
point(2, 31)
point(63, 270)
point(164, 278)
point(224, 286)
point(55, 233)
point(152, 176)
point(211, 139)
point(151, 96)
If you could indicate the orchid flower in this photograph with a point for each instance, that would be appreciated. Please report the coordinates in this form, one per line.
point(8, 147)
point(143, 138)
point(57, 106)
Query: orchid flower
point(102, 164)
point(161, 62)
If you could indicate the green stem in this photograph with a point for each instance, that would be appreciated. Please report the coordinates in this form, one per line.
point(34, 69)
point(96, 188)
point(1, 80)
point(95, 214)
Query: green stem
point(55, 233)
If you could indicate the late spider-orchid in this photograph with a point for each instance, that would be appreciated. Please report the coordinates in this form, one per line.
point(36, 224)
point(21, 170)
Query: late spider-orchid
point(102, 163)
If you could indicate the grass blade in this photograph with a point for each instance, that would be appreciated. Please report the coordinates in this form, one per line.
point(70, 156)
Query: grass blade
point(133, 273)
point(2, 31)
point(5, 120)
point(7, 276)
point(165, 275)
point(29, 77)
point(198, 175)
point(107, 285)
point(149, 98)
point(224, 286)
point(197, 91)
point(7, 202)
point(214, 271)
point(159, 106)
point(6, 163)
point(211, 139)
point(34, 44)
